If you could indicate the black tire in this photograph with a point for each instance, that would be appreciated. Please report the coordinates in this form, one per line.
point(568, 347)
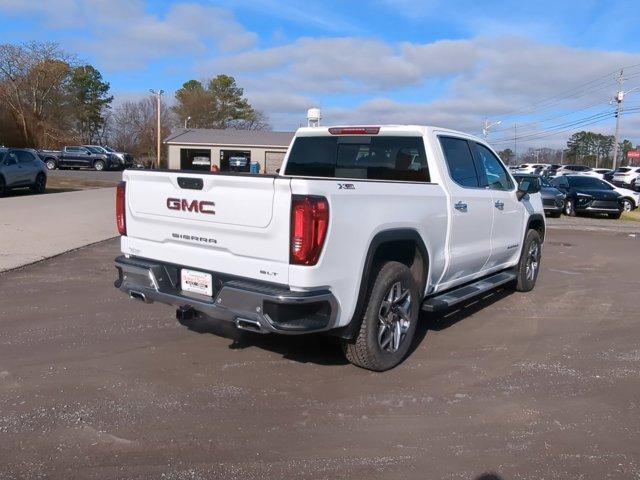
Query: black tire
point(614, 216)
point(569, 207)
point(627, 205)
point(529, 265)
point(51, 164)
point(3, 187)
point(98, 165)
point(374, 347)
point(40, 185)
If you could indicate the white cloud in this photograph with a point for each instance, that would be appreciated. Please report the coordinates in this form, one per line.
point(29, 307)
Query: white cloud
point(477, 78)
point(124, 35)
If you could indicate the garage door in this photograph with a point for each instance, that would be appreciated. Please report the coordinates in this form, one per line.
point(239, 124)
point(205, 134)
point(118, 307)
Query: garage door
point(273, 161)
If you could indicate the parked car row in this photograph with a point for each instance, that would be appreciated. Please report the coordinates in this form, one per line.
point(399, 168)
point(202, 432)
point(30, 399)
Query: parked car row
point(625, 177)
point(86, 156)
point(21, 168)
point(573, 194)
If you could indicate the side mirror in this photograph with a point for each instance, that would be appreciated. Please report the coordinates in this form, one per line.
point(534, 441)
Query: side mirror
point(526, 186)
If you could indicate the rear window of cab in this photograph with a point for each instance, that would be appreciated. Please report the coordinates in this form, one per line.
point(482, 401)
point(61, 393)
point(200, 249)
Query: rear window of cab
point(359, 157)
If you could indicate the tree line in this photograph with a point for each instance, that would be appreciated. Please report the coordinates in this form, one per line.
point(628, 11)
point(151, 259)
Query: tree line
point(49, 98)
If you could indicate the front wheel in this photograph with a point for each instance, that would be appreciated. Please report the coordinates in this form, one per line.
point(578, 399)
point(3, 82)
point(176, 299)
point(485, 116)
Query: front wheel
point(98, 165)
point(529, 265)
point(50, 164)
point(389, 322)
point(569, 208)
point(40, 184)
point(627, 205)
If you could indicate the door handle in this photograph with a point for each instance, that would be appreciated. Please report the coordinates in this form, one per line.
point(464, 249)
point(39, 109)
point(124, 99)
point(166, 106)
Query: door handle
point(460, 206)
point(499, 205)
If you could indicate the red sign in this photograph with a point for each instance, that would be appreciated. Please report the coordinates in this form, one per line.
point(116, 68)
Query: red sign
point(633, 154)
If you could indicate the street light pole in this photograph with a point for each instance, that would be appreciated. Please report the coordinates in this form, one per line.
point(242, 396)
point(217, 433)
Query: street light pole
point(186, 120)
point(488, 125)
point(158, 95)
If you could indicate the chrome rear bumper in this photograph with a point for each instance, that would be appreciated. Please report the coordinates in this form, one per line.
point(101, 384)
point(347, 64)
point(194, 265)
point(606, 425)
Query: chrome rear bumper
point(250, 305)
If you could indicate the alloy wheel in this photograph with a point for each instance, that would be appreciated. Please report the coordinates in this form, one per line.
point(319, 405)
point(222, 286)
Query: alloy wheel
point(394, 318)
point(626, 206)
point(533, 261)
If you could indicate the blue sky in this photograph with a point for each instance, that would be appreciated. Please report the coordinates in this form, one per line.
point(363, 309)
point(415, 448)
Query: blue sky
point(381, 61)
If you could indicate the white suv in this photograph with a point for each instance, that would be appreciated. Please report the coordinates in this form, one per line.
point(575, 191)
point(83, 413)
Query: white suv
point(626, 176)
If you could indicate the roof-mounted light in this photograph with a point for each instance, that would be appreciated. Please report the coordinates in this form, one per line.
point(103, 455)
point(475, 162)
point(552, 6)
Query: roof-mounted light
point(354, 130)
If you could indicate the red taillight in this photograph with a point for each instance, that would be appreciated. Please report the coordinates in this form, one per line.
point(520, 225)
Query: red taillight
point(121, 211)
point(309, 223)
point(354, 130)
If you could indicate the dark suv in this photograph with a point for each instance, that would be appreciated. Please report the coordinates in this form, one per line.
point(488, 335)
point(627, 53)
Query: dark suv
point(21, 167)
point(588, 195)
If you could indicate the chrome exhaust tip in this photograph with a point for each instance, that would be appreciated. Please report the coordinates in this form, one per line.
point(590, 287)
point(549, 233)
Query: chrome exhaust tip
point(249, 325)
point(138, 296)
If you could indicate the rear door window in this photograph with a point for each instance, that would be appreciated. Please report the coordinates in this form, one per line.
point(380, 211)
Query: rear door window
point(359, 157)
point(459, 158)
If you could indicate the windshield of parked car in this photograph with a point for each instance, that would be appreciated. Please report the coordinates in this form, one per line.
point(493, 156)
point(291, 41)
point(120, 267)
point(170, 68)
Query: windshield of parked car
point(2, 152)
point(109, 149)
point(359, 157)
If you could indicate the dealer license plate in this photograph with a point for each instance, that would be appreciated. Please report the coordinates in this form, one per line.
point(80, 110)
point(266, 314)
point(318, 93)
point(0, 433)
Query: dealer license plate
point(196, 282)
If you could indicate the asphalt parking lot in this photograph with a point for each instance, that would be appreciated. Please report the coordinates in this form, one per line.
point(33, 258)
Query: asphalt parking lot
point(105, 175)
point(541, 385)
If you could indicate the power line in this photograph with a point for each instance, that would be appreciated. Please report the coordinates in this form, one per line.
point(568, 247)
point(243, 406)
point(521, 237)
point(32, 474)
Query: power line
point(568, 128)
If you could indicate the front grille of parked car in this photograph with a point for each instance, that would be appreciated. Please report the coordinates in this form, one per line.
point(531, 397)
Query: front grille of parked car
point(606, 204)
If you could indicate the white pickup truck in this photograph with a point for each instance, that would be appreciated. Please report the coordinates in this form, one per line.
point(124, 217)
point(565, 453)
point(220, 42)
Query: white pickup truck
point(362, 228)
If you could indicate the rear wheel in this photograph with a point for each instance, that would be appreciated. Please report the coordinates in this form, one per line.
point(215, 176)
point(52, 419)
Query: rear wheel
point(50, 164)
point(40, 184)
point(3, 187)
point(529, 264)
point(98, 165)
point(389, 321)
point(614, 216)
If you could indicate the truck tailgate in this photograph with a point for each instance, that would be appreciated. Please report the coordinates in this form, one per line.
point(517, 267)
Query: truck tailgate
point(236, 224)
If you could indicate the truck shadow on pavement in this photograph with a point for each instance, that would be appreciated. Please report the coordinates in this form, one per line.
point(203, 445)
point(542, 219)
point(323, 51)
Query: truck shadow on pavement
point(325, 350)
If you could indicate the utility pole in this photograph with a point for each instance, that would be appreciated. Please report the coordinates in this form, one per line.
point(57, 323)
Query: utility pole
point(515, 142)
point(158, 95)
point(487, 126)
point(618, 99)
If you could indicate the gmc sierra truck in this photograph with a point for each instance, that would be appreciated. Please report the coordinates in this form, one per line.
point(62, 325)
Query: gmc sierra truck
point(362, 228)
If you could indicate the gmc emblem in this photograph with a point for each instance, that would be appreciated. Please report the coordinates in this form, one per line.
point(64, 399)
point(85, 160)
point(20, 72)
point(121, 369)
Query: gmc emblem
point(198, 206)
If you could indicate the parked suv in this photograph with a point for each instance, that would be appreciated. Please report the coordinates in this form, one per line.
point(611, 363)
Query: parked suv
point(360, 230)
point(588, 195)
point(625, 176)
point(21, 167)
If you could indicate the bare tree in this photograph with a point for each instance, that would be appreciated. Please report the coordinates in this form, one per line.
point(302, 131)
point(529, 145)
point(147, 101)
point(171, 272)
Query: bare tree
point(32, 83)
point(133, 126)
